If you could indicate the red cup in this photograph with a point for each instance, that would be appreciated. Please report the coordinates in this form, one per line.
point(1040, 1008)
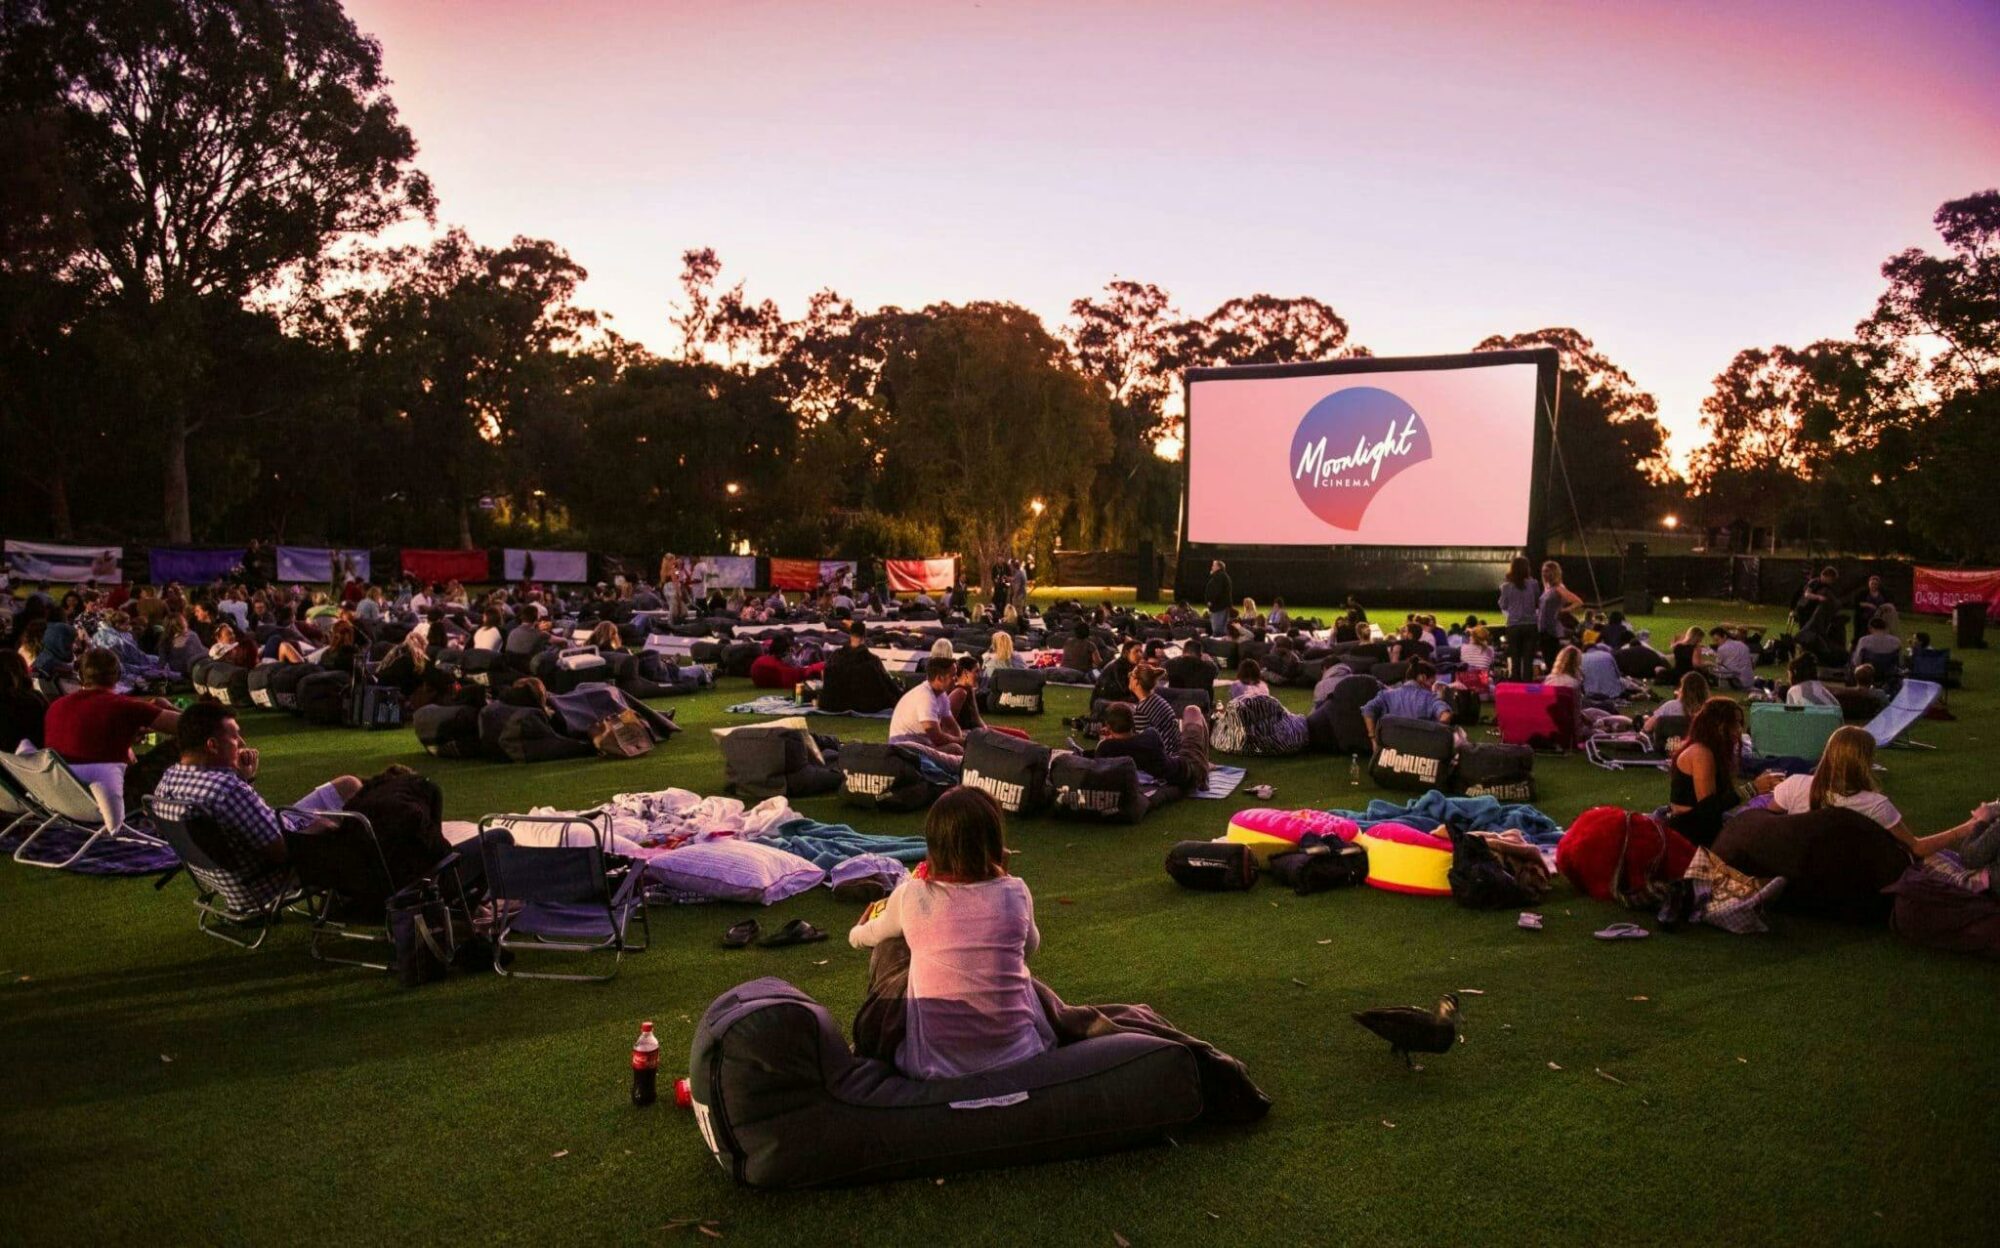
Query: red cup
point(683, 1094)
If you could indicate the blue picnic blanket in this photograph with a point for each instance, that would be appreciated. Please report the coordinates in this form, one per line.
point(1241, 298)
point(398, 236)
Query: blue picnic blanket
point(1464, 814)
point(779, 704)
point(108, 857)
point(826, 844)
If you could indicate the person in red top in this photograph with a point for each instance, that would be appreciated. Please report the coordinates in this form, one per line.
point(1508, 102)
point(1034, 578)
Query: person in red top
point(775, 671)
point(98, 725)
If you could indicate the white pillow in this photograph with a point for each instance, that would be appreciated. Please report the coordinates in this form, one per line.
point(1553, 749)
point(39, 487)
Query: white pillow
point(735, 871)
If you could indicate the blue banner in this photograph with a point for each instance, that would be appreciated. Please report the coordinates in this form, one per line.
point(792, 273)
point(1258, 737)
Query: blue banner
point(315, 564)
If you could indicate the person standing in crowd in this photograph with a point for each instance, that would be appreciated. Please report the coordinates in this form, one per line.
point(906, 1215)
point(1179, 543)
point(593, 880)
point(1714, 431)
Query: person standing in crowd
point(1556, 599)
point(1018, 588)
point(1868, 606)
point(1520, 602)
point(1219, 595)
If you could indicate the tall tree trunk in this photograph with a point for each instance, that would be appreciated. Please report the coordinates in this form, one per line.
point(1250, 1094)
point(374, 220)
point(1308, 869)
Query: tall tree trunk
point(180, 527)
point(58, 491)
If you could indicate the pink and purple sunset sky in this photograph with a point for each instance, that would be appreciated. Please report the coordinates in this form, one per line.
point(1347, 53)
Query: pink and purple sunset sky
point(1678, 181)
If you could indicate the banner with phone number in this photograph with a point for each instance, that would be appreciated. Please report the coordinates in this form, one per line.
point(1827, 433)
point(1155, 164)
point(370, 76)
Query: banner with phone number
point(1941, 589)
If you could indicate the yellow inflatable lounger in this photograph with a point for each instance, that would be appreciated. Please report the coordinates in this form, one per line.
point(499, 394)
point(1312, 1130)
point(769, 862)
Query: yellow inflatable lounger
point(1402, 859)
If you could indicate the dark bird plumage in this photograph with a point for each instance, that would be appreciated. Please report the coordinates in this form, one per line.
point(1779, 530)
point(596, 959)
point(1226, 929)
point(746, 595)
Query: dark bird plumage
point(1409, 1029)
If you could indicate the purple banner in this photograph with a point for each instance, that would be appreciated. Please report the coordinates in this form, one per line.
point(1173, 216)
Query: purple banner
point(190, 567)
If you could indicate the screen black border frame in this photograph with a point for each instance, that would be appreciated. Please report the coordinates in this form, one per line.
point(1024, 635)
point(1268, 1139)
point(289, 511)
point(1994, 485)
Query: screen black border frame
point(1547, 416)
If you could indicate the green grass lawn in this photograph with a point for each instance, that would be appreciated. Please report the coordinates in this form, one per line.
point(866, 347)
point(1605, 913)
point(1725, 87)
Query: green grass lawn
point(1818, 1083)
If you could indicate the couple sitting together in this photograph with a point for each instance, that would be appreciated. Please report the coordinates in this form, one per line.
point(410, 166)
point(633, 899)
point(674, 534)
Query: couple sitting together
point(1168, 745)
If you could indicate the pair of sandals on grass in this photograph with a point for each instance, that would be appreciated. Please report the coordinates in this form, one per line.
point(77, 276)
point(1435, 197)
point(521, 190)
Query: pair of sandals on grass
point(796, 932)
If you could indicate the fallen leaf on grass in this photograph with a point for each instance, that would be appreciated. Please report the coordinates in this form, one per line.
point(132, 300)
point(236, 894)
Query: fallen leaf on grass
point(1065, 901)
point(709, 1231)
point(822, 962)
point(1744, 1060)
point(1300, 982)
point(1388, 1124)
point(25, 979)
point(1327, 941)
point(1638, 998)
point(939, 1182)
point(1120, 1240)
point(1473, 992)
point(1613, 1078)
point(559, 1154)
point(165, 1058)
point(1553, 1066)
point(1218, 1217)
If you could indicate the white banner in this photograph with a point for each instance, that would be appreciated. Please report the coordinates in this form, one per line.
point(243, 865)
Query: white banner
point(545, 565)
point(725, 572)
point(45, 561)
point(303, 565)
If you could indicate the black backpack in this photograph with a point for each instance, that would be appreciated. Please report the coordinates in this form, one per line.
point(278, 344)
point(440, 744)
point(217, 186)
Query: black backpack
point(1478, 881)
point(1318, 865)
point(1212, 866)
point(1465, 705)
point(322, 697)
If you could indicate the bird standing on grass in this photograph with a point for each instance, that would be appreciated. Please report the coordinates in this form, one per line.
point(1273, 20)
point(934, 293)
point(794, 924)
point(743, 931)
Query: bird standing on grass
point(1409, 1029)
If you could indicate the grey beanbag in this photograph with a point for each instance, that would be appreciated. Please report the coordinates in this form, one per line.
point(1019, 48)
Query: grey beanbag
point(783, 1102)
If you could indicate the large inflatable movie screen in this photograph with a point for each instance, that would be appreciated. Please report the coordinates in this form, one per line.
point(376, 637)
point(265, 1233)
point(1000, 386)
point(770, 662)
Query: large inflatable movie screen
point(1438, 451)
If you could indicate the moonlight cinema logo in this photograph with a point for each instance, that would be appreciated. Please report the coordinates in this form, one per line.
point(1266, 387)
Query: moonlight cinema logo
point(1349, 445)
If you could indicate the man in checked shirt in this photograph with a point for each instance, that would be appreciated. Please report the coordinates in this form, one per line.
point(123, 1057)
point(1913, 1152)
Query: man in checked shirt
point(214, 776)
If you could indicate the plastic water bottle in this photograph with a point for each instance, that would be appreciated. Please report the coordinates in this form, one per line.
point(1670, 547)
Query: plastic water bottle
point(645, 1067)
point(1354, 770)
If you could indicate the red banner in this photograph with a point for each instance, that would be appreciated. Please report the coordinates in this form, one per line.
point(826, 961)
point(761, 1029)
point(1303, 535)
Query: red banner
point(800, 574)
point(440, 566)
point(909, 576)
point(1941, 589)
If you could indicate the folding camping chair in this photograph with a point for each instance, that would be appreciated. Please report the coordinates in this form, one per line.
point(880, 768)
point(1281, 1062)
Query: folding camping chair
point(571, 895)
point(50, 790)
point(244, 927)
point(1910, 704)
point(346, 883)
point(1615, 751)
point(14, 808)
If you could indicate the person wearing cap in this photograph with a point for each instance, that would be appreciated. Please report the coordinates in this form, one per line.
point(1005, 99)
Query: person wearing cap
point(854, 679)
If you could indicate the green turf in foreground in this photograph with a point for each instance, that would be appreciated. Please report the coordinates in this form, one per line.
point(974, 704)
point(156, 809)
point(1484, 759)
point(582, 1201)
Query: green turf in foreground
point(1818, 1084)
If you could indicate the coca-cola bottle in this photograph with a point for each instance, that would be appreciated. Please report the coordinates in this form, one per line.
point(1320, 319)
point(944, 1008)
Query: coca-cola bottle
point(645, 1067)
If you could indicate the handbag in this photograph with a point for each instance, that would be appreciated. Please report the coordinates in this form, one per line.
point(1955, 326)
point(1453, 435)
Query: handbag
point(1655, 888)
point(623, 735)
point(420, 928)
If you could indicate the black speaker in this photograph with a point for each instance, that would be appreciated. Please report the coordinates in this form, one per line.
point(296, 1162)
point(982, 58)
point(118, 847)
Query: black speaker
point(1969, 623)
point(1149, 573)
point(1638, 602)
